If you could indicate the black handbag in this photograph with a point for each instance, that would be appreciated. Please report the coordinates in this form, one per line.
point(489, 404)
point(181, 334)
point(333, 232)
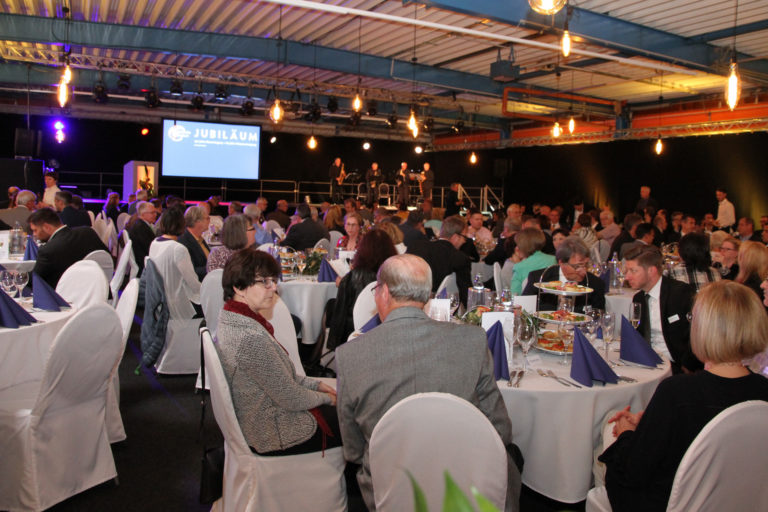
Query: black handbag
point(212, 471)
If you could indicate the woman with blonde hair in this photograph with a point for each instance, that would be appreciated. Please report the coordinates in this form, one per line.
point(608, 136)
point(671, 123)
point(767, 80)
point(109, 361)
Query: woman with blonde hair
point(728, 325)
point(753, 265)
point(394, 233)
point(333, 218)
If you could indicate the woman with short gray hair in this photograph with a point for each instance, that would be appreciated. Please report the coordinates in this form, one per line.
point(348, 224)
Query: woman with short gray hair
point(236, 234)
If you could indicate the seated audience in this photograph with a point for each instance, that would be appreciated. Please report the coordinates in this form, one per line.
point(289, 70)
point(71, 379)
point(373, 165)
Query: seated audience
point(375, 247)
point(141, 195)
point(333, 219)
point(280, 214)
point(753, 265)
point(505, 244)
point(413, 228)
point(197, 221)
point(51, 179)
point(236, 234)
point(141, 231)
point(696, 266)
point(112, 207)
point(25, 205)
point(725, 256)
point(558, 237)
point(353, 223)
point(583, 229)
point(746, 230)
point(628, 233)
point(528, 257)
point(476, 231)
point(729, 325)
point(68, 214)
point(261, 235)
point(610, 230)
point(572, 263)
point(63, 245)
point(644, 235)
point(279, 412)
point(397, 359)
point(394, 233)
point(234, 208)
point(306, 233)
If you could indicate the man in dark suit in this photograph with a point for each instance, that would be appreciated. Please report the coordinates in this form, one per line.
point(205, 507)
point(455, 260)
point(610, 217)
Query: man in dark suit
point(413, 228)
point(63, 245)
point(572, 260)
point(142, 232)
point(627, 235)
point(197, 220)
point(665, 307)
point(444, 257)
point(397, 359)
point(68, 214)
point(280, 215)
point(306, 233)
point(452, 202)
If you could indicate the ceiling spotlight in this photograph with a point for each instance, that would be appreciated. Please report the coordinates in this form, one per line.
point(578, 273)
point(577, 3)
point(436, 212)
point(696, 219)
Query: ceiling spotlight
point(547, 7)
point(247, 108)
point(429, 124)
point(221, 92)
point(333, 104)
point(124, 83)
point(59, 136)
point(354, 119)
point(312, 142)
point(276, 111)
point(177, 89)
point(357, 103)
point(272, 139)
point(418, 150)
point(100, 92)
point(197, 101)
point(144, 131)
point(473, 158)
point(314, 112)
point(366, 145)
point(458, 126)
point(151, 98)
point(372, 107)
point(392, 120)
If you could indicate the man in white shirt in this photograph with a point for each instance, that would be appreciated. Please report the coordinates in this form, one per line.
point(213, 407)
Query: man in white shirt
point(726, 213)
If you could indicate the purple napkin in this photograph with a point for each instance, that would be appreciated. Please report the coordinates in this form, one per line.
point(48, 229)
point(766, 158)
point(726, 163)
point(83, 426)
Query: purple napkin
point(30, 252)
point(11, 314)
point(635, 348)
point(326, 274)
point(498, 350)
point(587, 365)
point(599, 333)
point(370, 324)
point(45, 297)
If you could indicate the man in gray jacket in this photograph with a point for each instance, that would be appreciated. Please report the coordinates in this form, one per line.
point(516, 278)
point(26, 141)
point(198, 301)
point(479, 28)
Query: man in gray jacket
point(410, 353)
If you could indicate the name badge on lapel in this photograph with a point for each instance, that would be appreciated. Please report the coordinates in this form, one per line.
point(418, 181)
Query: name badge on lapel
point(672, 319)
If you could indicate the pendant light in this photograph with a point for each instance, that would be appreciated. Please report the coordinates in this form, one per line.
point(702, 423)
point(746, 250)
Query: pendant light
point(276, 111)
point(557, 130)
point(357, 103)
point(473, 158)
point(659, 146)
point(547, 7)
point(733, 84)
point(312, 142)
point(413, 125)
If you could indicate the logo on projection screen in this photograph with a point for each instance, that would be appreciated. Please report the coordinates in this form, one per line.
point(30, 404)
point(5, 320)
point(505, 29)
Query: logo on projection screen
point(177, 133)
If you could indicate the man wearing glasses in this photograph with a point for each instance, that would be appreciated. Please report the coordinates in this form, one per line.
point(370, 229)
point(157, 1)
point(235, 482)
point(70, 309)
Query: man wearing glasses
point(142, 232)
point(572, 265)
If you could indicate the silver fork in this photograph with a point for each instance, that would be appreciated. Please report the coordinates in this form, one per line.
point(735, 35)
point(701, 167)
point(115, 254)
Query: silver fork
point(562, 379)
point(544, 374)
point(514, 378)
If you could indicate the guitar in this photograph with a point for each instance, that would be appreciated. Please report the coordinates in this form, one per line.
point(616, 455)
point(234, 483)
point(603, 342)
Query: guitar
point(341, 176)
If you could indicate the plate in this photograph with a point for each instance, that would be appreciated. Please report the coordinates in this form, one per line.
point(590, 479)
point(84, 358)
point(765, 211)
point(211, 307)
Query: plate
point(578, 319)
point(554, 287)
point(549, 348)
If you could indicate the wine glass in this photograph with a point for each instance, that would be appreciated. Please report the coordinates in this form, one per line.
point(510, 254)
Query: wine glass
point(634, 314)
point(301, 263)
point(506, 299)
point(8, 282)
point(608, 323)
point(525, 337)
point(21, 279)
point(565, 303)
point(591, 328)
point(566, 334)
point(454, 298)
point(508, 327)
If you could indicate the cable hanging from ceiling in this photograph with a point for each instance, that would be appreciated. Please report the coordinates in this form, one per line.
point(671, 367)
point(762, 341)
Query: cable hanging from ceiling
point(733, 84)
point(276, 111)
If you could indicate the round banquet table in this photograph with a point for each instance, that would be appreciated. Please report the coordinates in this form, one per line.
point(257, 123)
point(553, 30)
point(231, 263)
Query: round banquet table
point(306, 299)
point(557, 428)
point(23, 265)
point(24, 351)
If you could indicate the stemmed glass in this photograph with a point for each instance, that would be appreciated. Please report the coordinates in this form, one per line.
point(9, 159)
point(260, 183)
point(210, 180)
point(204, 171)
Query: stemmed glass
point(608, 323)
point(8, 282)
point(635, 313)
point(21, 279)
point(301, 263)
point(506, 299)
point(566, 334)
point(508, 327)
point(525, 337)
point(591, 328)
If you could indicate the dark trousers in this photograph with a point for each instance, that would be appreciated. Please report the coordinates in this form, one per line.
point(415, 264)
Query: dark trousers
point(314, 443)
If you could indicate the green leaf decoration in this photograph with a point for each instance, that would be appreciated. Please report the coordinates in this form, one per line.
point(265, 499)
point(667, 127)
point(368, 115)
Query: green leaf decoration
point(454, 499)
point(482, 502)
point(419, 500)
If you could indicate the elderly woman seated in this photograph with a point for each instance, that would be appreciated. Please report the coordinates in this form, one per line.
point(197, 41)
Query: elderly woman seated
point(728, 326)
point(279, 412)
point(236, 234)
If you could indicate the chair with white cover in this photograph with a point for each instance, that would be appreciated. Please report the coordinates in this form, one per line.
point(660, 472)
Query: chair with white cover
point(53, 434)
point(723, 469)
point(401, 248)
point(272, 226)
point(265, 247)
point(134, 267)
point(323, 243)
point(427, 434)
point(335, 237)
point(254, 483)
point(605, 249)
point(112, 238)
point(212, 298)
point(83, 284)
point(365, 306)
point(92, 216)
point(122, 266)
point(122, 220)
point(285, 332)
point(126, 310)
point(101, 228)
point(497, 281)
point(105, 261)
point(435, 225)
point(448, 284)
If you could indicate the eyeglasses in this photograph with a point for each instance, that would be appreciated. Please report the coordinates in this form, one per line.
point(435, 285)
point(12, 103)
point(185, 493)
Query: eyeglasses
point(727, 248)
point(577, 266)
point(267, 282)
point(251, 229)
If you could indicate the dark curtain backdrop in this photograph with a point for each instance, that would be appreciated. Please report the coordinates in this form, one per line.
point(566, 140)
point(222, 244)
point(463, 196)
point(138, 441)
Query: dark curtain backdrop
point(683, 178)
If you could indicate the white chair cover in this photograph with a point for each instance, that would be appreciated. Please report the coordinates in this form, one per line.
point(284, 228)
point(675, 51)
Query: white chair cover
point(365, 306)
point(335, 237)
point(506, 272)
point(448, 284)
point(323, 243)
point(100, 226)
point(217, 221)
point(253, 483)
point(83, 284)
point(723, 469)
point(427, 434)
point(112, 238)
point(285, 332)
point(104, 260)
point(212, 298)
point(125, 310)
point(122, 265)
point(92, 216)
point(122, 220)
point(498, 283)
point(401, 248)
point(272, 226)
point(53, 437)
point(605, 249)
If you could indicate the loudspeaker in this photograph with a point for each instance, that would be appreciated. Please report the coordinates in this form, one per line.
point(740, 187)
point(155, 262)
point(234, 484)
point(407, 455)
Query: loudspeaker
point(27, 143)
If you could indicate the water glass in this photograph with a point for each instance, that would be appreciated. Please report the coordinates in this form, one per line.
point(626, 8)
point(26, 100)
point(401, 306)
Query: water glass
point(525, 337)
point(565, 303)
point(608, 324)
point(8, 282)
point(566, 334)
point(509, 328)
point(634, 314)
point(506, 299)
point(454, 298)
point(21, 279)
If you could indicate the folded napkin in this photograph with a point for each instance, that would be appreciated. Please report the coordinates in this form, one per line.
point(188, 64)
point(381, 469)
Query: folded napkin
point(30, 252)
point(635, 348)
point(45, 297)
point(341, 267)
point(498, 350)
point(11, 314)
point(326, 274)
point(370, 324)
point(587, 365)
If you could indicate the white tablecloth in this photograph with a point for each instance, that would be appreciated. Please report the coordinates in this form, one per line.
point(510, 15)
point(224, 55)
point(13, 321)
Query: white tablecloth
point(24, 351)
point(557, 427)
point(306, 299)
point(23, 265)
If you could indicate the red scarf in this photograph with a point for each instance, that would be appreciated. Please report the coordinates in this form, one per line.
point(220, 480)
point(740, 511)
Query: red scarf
point(242, 308)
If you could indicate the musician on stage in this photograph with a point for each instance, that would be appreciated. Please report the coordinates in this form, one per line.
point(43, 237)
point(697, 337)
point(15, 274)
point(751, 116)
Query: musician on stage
point(337, 175)
point(426, 182)
point(373, 180)
point(401, 183)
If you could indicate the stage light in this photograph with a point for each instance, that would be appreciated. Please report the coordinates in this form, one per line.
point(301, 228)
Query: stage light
point(197, 101)
point(221, 92)
point(100, 92)
point(144, 131)
point(151, 98)
point(312, 142)
point(547, 7)
point(418, 149)
point(63, 93)
point(366, 145)
point(247, 108)
point(733, 86)
point(333, 104)
point(571, 125)
point(124, 83)
point(372, 107)
point(66, 76)
point(557, 130)
point(272, 139)
point(177, 89)
point(59, 135)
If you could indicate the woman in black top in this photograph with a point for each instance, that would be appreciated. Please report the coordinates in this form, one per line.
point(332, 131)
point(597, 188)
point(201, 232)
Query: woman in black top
point(728, 325)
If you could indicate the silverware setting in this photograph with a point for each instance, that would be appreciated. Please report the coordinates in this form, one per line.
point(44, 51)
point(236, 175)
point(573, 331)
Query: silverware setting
point(520, 376)
point(514, 378)
point(550, 374)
